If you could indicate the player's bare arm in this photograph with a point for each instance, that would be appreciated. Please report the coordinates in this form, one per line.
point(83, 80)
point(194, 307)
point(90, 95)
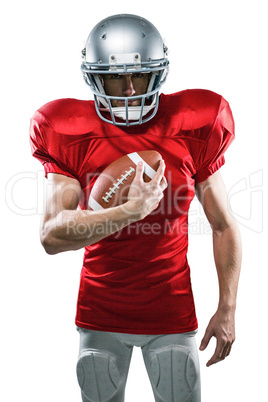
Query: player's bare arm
point(227, 254)
point(62, 223)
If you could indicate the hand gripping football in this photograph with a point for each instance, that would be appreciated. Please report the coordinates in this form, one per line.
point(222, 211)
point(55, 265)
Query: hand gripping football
point(112, 186)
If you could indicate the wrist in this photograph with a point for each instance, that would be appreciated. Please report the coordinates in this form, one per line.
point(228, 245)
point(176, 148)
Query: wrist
point(132, 208)
point(226, 307)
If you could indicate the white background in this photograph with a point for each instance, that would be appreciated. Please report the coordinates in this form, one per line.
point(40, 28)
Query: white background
point(215, 45)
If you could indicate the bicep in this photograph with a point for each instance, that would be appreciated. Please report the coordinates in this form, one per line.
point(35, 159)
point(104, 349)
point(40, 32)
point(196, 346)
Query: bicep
point(62, 193)
point(213, 196)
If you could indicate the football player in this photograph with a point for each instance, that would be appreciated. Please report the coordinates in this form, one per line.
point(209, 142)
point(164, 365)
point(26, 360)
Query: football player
point(135, 287)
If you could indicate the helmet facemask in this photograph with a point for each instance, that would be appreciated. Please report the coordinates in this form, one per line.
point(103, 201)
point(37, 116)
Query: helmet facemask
point(125, 63)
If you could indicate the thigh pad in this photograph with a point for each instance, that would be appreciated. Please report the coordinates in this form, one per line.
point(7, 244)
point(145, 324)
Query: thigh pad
point(98, 375)
point(174, 373)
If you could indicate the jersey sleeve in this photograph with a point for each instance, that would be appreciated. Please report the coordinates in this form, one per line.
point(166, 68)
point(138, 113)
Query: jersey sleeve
point(211, 155)
point(39, 148)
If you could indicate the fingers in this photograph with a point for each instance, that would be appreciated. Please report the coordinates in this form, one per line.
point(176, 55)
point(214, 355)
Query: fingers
point(147, 195)
point(159, 177)
point(139, 171)
point(228, 350)
point(221, 352)
point(223, 348)
point(217, 355)
point(163, 183)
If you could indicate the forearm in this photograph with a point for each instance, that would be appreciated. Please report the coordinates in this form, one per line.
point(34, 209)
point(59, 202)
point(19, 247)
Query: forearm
point(75, 229)
point(227, 255)
point(66, 228)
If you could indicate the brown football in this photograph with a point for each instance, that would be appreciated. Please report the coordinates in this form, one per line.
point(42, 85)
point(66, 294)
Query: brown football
point(112, 186)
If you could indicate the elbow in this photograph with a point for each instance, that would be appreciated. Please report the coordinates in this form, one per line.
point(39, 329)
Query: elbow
point(49, 247)
point(222, 227)
point(49, 243)
point(51, 250)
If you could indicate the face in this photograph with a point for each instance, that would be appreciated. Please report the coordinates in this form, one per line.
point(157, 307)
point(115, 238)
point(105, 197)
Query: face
point(125, 85)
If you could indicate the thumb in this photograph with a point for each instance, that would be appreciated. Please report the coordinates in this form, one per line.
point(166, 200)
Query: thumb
point(205, 340)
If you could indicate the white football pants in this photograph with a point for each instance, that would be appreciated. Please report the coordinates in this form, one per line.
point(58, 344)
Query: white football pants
point(171, 361)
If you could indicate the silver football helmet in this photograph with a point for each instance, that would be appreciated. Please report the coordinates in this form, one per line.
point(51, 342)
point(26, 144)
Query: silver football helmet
point(125, 44)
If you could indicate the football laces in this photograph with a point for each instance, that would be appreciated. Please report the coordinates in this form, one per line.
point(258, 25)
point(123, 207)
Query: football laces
point(120, 181)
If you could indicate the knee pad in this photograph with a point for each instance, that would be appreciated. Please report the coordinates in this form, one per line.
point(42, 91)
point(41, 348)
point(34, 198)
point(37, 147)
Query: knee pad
point(97, 375)
point(174, 373)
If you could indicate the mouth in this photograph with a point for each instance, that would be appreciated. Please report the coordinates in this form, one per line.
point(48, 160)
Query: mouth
point(130, 103)
point(134, 103)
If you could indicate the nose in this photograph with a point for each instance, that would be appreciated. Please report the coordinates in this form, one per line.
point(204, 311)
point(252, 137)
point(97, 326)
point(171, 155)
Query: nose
point(128, 89)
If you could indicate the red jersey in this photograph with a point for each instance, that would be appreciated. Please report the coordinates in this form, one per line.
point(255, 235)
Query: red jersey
point(138, 279)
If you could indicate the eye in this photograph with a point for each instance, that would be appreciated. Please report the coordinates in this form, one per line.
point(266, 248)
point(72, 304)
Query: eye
point(138, 75)
point(115, 77)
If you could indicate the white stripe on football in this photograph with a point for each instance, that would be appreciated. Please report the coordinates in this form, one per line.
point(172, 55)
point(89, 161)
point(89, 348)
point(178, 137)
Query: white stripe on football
point(112, 185)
